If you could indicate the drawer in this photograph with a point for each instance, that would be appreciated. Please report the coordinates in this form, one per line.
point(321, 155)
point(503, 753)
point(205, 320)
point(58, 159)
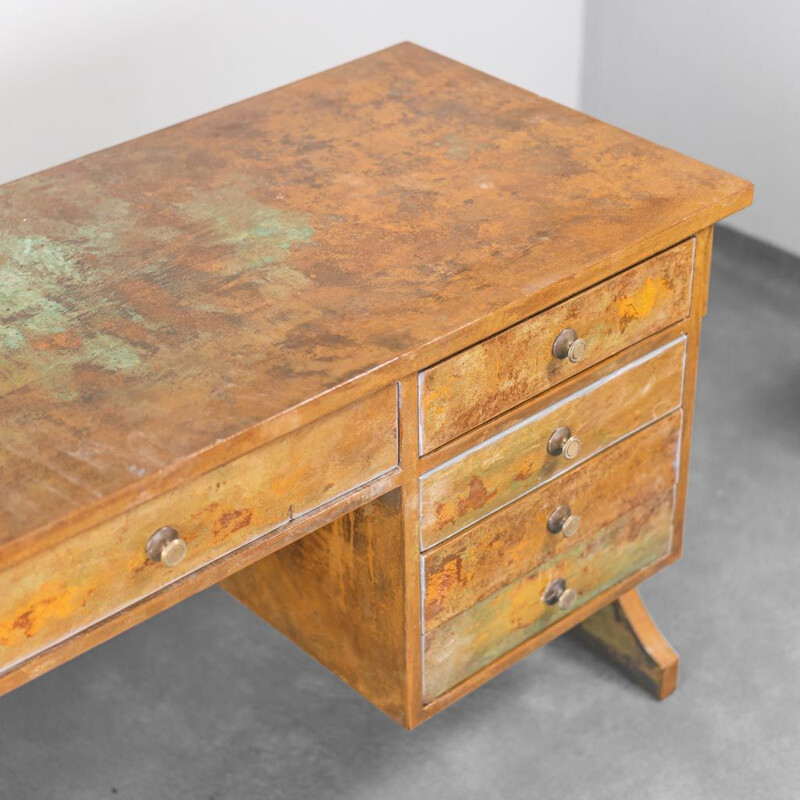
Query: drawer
point(90, 576)
point(491, 475)
point(471, 640)
point(515, 540)
point(482, 382)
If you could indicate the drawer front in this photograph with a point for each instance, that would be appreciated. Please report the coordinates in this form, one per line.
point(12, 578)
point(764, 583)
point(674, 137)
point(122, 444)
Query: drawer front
point(466, 643)
point(90, 576)
point(496, 472)
point(494, 376)
point(514, 541)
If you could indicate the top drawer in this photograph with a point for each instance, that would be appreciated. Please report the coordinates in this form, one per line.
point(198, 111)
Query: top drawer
point(494, 376)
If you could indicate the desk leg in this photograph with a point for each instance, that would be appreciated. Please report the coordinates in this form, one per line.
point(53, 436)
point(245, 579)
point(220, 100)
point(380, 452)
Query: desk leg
point(625, 634)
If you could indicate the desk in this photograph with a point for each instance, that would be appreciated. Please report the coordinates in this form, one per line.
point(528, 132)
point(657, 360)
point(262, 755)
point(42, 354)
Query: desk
point(402, 355)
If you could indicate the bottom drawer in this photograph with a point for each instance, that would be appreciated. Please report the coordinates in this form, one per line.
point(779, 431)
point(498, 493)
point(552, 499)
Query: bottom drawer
point(469, 641)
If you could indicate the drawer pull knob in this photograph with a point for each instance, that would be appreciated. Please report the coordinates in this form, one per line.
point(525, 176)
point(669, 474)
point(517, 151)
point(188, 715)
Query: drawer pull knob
point(557, 593)
point(569, 345)
point(166, 546)
point(563, 521)
point(562, 442)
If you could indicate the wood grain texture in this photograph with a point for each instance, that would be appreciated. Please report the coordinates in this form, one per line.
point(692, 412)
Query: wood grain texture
point(84, 579)
point(512, 542)
point(178, 300)
point(339, 594)
point(473, 639)
point(624, 633)
point(494, 376)
point(472, 485)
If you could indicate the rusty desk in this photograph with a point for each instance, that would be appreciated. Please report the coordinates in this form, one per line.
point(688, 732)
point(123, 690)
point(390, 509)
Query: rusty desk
point(402, 355)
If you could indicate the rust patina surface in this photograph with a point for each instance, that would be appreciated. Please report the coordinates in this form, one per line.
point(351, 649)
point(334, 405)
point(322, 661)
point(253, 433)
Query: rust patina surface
point(165, 295)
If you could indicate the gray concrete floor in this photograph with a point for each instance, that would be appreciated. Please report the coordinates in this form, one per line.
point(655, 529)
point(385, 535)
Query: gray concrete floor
point(206, 702)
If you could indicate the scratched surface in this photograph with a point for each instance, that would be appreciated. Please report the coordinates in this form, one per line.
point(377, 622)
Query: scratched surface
point(165, 294)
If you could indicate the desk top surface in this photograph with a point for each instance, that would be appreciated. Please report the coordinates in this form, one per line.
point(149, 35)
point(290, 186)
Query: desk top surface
point(169, 300)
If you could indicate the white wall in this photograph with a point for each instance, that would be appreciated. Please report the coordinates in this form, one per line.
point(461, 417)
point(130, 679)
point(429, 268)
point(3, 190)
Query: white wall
point(82, 75)
point(716, 79)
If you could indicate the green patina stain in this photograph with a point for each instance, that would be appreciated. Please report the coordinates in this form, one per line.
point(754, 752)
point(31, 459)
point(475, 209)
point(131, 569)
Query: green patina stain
point(262, 238)
point(262, 235)
point(46, 328)
point(247, 223)
point(458, 148)
point(33, 271)
point(263, 249)
point(37, 278)
point(111, 353)
point(35, 274)
point(10, 338)
point(277, 228)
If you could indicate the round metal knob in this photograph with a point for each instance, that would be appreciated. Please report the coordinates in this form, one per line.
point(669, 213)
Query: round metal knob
point(569, 345)
point(562, 442)
point(563, 521)
point(166, 546)
point(567, 599)
point(557, 593)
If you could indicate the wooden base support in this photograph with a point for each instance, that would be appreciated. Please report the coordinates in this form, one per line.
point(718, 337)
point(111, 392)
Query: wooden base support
point(339, 594)
point(625, 634)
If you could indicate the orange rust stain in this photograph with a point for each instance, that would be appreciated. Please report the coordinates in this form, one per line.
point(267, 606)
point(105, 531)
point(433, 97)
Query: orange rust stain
point(64, 340)
point(42, 612)
point(641, 303)
point(450, 572)
point(24, 623)
point(433, 606)
point(524, 474)
point(232, 521)
point(142, 564)
point(132, 332)
point(476, 498)
point(444, 515)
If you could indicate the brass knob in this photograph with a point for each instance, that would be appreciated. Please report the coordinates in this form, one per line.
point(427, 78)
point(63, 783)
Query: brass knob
point(557, 593)
point(569, 345)
point(562, 442)
point(166, 546)
point(563, 521)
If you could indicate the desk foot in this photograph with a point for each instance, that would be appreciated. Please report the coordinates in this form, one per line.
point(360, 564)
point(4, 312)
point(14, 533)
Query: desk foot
point(625, 634)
